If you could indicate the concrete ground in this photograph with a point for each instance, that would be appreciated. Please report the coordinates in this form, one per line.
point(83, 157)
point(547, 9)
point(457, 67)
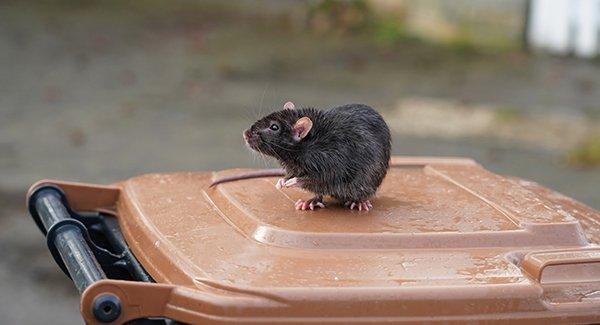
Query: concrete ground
point(99, 94)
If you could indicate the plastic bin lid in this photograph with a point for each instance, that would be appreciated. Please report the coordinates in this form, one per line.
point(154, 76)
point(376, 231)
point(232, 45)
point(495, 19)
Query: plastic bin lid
point(447, 241)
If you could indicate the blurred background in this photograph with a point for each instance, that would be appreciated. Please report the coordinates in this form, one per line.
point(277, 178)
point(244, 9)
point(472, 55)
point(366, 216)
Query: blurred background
point(98, 91)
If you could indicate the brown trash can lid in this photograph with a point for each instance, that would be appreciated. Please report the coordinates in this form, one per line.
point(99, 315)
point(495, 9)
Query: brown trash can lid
point(446, 241)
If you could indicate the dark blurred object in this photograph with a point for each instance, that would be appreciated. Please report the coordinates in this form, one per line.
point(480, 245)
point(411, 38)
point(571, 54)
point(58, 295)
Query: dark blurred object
point(339, 16)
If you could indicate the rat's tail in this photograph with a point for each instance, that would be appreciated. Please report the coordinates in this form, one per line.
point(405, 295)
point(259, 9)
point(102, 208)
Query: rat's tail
point(254, 174)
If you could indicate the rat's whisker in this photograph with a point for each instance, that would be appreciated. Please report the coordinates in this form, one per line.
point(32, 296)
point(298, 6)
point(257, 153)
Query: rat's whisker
point(247, 114)
point(258, 155)
point(279, 146)
point(270, 146)
point(264, 159)
point(260, 106)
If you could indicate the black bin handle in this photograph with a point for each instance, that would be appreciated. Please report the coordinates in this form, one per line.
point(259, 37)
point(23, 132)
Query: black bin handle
point(66, 240)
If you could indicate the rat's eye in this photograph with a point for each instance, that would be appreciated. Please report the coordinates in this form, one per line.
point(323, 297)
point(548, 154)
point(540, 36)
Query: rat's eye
point(274, 127)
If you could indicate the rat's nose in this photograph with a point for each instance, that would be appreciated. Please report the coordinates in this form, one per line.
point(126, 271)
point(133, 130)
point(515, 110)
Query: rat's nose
point(246, 135)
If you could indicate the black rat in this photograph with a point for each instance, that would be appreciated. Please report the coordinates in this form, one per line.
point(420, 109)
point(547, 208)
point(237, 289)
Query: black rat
point(342, 152)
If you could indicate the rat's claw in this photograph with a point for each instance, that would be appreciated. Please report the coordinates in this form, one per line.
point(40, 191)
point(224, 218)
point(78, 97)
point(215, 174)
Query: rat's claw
point(365, 206)
point(312, 204)
point(305, 205)
point(359, 205)
point(302, 205)
point(280, 183)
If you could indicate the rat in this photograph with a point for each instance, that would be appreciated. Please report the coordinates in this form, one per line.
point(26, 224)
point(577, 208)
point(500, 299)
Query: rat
point(342, 152)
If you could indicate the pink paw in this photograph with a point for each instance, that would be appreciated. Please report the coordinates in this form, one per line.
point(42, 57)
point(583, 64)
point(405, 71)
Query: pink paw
point(360, 205)
point(314, 203)
point(280, 183)
point(292, 182)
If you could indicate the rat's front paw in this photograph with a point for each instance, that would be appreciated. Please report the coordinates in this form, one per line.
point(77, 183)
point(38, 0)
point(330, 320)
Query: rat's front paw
point(359, 205)
point(314, 203)
point(292, 182)
point(280, 183)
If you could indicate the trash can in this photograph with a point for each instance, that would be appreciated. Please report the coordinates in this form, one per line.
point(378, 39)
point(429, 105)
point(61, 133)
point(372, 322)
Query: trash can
point(447, 242)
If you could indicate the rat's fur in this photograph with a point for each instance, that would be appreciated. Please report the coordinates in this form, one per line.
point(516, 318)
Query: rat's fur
point(345, 155)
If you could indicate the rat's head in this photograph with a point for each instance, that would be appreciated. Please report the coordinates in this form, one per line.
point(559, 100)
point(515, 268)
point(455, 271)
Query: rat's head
point(278, 134)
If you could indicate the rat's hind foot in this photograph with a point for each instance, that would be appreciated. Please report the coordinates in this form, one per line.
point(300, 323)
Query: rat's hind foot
point(314, 203)
point(359, 205)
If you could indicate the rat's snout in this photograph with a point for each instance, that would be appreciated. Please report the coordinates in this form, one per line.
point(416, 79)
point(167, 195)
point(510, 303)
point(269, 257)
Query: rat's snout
point(249, 137)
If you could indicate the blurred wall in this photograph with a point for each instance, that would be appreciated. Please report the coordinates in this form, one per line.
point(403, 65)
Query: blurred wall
point(565, 27)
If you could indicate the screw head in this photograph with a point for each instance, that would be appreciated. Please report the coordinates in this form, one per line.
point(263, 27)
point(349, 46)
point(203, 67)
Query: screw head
point(106, 308)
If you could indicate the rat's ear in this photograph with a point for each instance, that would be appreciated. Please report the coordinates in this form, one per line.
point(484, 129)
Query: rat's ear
point(302, 127)
point(289, 105)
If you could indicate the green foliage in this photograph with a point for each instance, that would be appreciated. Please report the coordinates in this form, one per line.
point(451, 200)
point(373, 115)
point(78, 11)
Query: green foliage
point(357, 17)
point(509, 114)
point(586, 154)
point(464, 42)
point(463, 45)
point(391, 31)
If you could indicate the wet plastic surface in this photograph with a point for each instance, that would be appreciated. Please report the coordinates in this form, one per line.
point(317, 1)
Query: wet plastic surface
point(447, 241)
